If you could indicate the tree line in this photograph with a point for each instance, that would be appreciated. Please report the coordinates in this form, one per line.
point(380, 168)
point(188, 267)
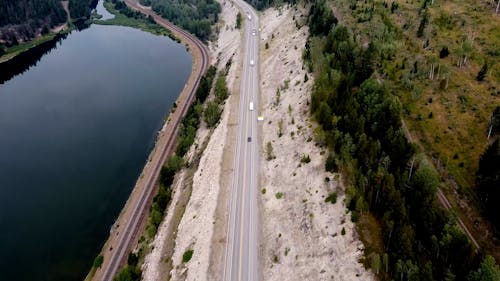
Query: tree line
point(488, 174)
point(360, 123)
point(196, 16)
point(23, 20)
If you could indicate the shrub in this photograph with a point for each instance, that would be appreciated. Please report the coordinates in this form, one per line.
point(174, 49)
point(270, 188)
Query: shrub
point(305, 159)
point(331, 164)
point(332, 198)
point(188, 254)
point(98, 261)
point(212, 114)
point(279, 195)
point(444, 52)
point(238, 20)
point(269, 151)
point(482, 72)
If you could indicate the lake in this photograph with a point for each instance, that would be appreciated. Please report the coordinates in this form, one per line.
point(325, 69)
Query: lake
point(75, 133)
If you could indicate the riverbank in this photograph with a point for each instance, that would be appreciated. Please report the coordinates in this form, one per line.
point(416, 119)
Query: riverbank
point(143, 23)
point(11, 52)
point(120, 237)
point(14, 51)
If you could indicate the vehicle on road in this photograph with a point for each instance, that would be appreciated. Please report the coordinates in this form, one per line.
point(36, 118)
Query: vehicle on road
point(249, 139)
point(252, 62)
point(251, 106)
point(254, 32)
point(249, 17)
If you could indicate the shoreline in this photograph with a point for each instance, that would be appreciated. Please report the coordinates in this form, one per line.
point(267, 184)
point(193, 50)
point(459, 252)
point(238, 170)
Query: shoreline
point(146, 184)
point(27, 46)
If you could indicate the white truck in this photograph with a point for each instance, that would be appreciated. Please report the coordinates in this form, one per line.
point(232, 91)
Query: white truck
point(250, 106)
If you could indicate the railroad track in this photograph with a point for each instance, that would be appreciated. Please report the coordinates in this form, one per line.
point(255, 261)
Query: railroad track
point(129, 234)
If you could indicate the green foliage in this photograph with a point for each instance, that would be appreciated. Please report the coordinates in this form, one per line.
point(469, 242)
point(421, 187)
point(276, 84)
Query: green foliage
point(305, 159)
point(206, 84)
point(495, 121)
point(487, 271)
point(213, 109)
point(196, 16)
point(321, 18)
point(332, 198)
point(444, 52)
point(167, 173)
point(79, 8)
point(375, 263)
point(22, 20)
point(188, 254)
point(212, 114)
point(132, 259)
point(238, 20)
point(22, 11)
point(482, 72)
point(343, 231)
point(262, 4)
point(423, 23)
point(331, 164)
point(221, 91)
point(98, 261)
point(128, 273)
point(124, 16)
point(279, 195)
point(488, 182)
point(280, 128)
point(269, 151)
point(361, 124)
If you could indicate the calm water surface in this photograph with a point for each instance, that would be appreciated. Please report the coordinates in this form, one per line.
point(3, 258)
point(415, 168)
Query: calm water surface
point(75, 132)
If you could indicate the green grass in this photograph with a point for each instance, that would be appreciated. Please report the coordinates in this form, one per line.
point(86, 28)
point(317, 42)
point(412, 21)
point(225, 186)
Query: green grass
point(454, 135)
point(142, 24)
point(460, 113)
point(16, 50)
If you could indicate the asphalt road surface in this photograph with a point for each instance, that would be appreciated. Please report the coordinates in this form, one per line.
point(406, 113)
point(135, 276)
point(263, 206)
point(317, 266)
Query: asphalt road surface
point(242, 256)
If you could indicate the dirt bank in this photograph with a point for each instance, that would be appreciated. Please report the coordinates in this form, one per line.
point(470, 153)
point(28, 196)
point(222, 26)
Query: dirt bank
point(302, 235)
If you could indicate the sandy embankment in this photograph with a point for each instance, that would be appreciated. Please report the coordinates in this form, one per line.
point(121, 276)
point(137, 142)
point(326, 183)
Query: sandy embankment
point(196, 230)
point(301, 234)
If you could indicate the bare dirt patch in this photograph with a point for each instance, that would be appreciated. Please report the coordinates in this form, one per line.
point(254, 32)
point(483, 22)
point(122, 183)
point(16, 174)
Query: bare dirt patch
point(203, 215)
point(303, 237)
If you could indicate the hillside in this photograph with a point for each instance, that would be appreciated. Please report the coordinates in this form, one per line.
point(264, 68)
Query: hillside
point(22, 21)
point(196, 16)
point(404, 91)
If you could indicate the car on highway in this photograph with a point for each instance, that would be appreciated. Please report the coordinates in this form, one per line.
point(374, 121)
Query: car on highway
point(249, 17)
point(254, 32)
point(249, 139)
point(250, 106)
point(252, 62)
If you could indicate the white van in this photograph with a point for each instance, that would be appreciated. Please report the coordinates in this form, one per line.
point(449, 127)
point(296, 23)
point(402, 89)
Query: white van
point(251, 106)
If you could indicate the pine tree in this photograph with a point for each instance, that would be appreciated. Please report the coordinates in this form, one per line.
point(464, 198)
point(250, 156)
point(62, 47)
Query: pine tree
point(482, 72)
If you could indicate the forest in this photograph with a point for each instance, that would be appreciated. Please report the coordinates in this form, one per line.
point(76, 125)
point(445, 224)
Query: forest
point(196, 16)
point(391, 184)
point(24, 20)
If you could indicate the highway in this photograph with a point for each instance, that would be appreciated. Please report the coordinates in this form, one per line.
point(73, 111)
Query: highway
point(132, 219)
point(241, 261)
